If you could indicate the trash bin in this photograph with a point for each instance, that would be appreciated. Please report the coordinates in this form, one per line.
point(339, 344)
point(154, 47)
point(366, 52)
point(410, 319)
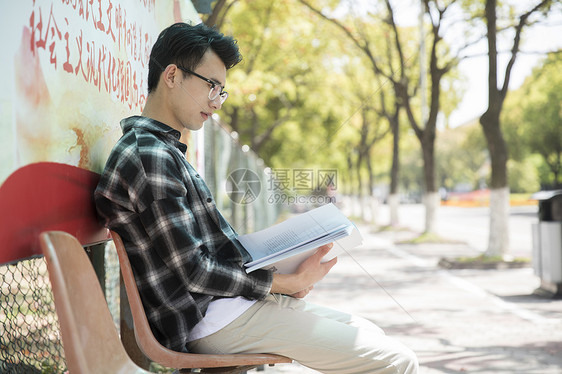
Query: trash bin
point(547, 242)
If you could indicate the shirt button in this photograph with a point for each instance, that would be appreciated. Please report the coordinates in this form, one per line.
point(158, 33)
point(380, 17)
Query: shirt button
point(197, 176)
point(209, 199)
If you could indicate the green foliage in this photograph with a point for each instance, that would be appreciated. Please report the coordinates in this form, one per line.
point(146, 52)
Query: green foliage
point(411, 165)
point(514, 130)
point(157, 368)
point(282, 94)
point(304, 92)
point(48, 367)
point(461, 156)
point(533, 122)
point(524, 175)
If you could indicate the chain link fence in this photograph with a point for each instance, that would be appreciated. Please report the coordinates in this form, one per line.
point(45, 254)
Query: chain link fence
point(29, 331)
point(238, 180)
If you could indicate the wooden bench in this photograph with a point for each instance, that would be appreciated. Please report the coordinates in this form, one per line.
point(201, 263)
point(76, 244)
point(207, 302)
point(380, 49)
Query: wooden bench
point(91, 343)
point(48, 197)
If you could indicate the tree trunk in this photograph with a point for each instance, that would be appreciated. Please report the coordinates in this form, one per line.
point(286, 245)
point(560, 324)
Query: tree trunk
point(431, 203)
point(393, 205)
point(349, 174)
point(497, 147)
point(498, 243)
point(359, 204)
point(212, 19)
point(498, 240)
point(393, 199)
point(371, 199)
point(431, 197)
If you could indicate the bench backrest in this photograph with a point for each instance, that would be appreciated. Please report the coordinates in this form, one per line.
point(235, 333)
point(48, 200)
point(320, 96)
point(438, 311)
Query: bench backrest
point(35, 198)
point(47, 196)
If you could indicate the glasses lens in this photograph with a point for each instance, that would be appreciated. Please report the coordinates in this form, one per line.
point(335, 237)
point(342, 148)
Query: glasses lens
point(216, 92)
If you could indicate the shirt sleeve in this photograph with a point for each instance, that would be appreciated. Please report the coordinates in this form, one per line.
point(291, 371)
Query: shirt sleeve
point(176, 221)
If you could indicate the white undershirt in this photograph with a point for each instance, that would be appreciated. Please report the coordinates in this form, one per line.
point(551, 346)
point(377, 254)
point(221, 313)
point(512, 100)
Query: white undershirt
point(219, 314)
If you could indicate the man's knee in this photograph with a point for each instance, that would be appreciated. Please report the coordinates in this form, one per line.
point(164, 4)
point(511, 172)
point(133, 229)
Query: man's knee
point(407, 361)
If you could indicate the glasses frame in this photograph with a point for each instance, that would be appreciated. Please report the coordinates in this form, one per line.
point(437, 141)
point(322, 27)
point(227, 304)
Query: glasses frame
point(222, 93)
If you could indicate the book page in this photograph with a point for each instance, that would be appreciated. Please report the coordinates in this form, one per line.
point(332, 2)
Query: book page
point(288, 262)
point(295, 231)
point(315, 242)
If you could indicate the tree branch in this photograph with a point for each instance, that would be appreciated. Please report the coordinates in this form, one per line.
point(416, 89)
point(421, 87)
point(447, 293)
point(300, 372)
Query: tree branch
point(260, 43)
point(364, 47)
point(517, 40)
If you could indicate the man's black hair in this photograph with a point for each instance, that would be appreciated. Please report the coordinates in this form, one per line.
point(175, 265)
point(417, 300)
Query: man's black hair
point(185, 45)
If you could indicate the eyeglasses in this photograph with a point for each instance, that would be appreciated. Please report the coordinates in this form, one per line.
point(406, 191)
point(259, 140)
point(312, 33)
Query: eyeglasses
point(216, 89)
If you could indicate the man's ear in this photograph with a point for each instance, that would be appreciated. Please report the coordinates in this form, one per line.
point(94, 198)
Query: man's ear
point(169, 75)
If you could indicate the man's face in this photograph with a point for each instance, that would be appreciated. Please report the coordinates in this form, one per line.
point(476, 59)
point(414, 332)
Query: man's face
point(192, 105)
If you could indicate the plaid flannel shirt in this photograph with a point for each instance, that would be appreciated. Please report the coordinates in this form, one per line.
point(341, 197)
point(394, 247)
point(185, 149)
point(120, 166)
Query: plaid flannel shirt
point(183, 252)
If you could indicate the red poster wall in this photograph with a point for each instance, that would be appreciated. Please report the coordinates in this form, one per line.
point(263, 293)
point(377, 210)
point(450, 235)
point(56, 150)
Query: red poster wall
point(71, 69)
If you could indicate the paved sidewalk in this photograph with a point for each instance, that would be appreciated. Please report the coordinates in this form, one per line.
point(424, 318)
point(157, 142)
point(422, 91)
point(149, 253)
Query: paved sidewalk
point(473, 321)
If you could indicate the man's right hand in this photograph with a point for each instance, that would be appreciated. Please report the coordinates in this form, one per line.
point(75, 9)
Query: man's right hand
point(312, 270)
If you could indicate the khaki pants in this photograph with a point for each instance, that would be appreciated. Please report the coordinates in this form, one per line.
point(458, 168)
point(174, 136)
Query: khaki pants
point(323, 339)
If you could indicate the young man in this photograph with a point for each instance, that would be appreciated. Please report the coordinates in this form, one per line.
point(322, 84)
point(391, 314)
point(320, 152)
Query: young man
point(187, 262)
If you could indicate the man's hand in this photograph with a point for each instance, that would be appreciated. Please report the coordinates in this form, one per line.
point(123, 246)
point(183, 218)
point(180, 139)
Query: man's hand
point(302, 294)
point(312, 270)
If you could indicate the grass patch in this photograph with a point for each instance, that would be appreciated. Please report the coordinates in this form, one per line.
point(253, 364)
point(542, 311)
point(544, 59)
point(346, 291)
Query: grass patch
point(429, 238)
point(391, 228)
point(483, 259)
point(157, 368)
point(484, 262)
point(356, 219)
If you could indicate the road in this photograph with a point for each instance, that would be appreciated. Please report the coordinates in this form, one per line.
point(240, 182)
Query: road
point(457, 321)
point(470, 225)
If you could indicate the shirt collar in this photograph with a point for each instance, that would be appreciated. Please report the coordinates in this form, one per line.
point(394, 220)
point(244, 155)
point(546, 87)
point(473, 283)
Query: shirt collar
point(153, 126)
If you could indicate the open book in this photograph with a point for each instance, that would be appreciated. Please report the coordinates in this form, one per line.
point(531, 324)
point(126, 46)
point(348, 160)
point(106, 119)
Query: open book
point(284, 246)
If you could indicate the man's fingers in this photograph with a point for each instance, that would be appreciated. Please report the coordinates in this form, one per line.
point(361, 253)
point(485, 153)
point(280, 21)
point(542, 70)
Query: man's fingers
point(323, 250)
point(330, 264)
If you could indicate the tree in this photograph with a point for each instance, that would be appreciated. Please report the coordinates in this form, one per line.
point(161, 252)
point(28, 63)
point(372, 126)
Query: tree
point(390, 111)
point(461, 157)
point(542, 116)
point(396, 68)
point(498, 243)
point(219, 12)
point(370, 134)
point(441, 61)
point(280, 103)
point(369, 124)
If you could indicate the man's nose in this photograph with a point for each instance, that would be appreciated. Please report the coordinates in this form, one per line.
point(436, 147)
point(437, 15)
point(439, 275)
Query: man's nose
point(216, 103)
